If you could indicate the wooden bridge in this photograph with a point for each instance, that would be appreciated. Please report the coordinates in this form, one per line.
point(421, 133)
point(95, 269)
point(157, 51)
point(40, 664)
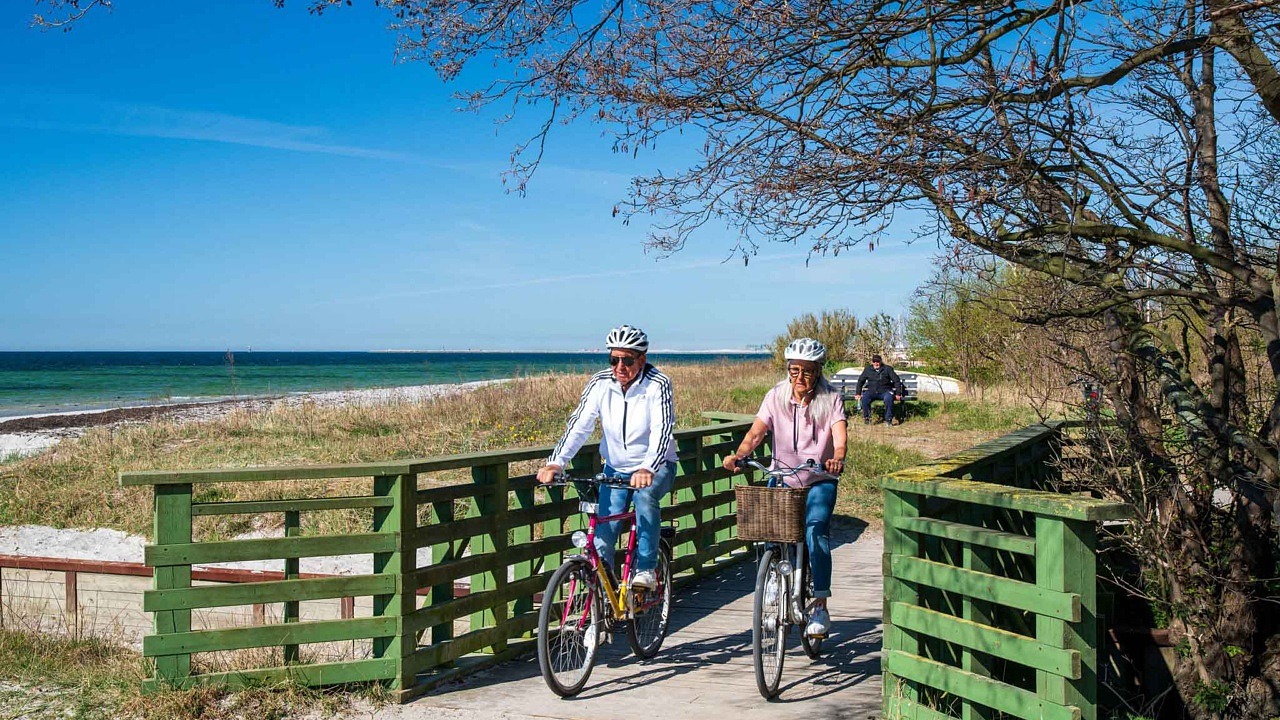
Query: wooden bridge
point(988, 587)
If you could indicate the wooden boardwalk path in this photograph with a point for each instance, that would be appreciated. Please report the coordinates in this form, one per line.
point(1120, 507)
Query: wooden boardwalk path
point(704, 669)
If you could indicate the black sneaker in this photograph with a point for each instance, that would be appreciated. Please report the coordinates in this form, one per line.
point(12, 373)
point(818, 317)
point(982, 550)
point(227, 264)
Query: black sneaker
point(866, 421)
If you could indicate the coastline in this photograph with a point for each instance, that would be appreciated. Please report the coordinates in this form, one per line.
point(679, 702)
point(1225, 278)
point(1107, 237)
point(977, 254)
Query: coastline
point(25, 435)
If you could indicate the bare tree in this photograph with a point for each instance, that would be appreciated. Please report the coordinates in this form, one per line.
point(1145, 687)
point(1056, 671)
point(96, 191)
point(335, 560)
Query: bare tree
point(1128, 152)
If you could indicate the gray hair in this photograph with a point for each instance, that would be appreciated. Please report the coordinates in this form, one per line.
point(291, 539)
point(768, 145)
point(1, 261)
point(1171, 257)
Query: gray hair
point(819, 408)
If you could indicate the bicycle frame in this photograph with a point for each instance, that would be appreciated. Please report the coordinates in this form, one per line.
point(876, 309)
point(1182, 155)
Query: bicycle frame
point(616, 597)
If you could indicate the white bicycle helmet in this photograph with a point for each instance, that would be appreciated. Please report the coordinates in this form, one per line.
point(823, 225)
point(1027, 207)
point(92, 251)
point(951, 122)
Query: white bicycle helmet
point(625, 337)
point(806, 349)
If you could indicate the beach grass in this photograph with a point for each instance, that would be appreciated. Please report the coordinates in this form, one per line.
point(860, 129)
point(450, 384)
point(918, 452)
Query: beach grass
point(54, 676)
point(74, 485)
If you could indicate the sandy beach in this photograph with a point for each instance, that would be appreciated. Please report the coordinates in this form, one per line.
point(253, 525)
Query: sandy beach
point(36, 433)
point(29, 434)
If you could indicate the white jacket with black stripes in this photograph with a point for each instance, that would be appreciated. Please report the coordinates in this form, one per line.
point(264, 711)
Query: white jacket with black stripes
point(636, 425)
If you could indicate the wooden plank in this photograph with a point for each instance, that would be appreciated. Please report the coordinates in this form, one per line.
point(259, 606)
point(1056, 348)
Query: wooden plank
point(260, 474)
point(268, 636)
point(258, 507)
point(319, 674)
point(992, 693)
point(1073, 507)
point(972, 535)
point(448, 493)
point(990, 640)
point(468, 527)
point(438, 654)
point(475, 602)
point(1013, 593)
point(167, 554)
point(266, 592)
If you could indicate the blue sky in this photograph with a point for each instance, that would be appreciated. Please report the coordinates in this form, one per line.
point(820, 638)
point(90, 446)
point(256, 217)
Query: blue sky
point(230, 175)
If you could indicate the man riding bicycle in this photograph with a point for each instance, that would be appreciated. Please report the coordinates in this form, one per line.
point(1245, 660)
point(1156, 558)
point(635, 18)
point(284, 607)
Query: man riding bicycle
point(634, 404)
point(806, 414)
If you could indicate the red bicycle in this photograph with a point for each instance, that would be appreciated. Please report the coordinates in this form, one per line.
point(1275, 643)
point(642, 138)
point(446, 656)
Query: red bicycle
point(584, 603)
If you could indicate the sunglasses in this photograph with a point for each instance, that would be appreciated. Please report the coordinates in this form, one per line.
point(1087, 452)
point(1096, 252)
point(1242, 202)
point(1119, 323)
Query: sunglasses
point(626, 360)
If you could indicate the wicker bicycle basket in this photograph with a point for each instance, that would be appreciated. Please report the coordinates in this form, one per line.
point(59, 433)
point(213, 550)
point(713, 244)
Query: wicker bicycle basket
point(770, 514)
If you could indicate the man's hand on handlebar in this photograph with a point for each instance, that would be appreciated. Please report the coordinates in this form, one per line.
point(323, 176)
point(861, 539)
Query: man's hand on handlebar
point(641, 478)
point(550, 473)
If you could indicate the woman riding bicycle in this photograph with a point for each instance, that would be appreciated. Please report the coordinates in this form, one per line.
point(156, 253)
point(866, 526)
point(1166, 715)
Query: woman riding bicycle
point(806, 414)
point(637, 416)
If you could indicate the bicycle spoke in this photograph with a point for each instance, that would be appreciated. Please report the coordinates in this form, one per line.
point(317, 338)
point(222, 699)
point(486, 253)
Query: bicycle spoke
point(650, 612)
point(568, 629)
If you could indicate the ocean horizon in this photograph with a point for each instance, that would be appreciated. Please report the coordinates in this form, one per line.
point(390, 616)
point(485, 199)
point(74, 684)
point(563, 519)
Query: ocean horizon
point(40, 382)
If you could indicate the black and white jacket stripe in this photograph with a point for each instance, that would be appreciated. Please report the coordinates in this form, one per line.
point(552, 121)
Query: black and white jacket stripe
point(636, 427)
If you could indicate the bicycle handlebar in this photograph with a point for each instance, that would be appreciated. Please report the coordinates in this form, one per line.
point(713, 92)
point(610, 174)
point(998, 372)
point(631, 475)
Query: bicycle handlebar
point(563, 479)
point(810, 465)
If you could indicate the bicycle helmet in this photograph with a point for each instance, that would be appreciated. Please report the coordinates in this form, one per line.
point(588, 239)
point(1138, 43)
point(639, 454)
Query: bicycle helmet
point(625, 337)
point(806, 349)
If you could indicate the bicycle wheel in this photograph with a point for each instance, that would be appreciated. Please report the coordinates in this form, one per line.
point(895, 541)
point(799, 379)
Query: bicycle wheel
point(651, 610)
point(812, 645)
point(569, 628)
point(768, 626)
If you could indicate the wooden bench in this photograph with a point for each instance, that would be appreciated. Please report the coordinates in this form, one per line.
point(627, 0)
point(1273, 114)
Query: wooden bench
point(848, 386)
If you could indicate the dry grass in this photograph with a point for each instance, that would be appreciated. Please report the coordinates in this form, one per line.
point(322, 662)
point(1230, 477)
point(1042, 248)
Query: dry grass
point(75, 484)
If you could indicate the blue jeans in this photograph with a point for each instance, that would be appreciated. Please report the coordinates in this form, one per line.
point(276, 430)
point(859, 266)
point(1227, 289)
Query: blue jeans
point(614, 500)
point(817, 536)
point(887, 397)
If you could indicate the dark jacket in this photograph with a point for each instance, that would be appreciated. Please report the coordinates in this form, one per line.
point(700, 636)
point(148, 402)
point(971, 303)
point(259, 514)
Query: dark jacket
point(878, 382)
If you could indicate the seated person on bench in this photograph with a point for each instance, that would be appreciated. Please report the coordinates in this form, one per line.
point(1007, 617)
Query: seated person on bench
point(879, 382)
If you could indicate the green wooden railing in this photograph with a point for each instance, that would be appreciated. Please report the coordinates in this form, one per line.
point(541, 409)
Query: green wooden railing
point(495, 530)
point(990, 591)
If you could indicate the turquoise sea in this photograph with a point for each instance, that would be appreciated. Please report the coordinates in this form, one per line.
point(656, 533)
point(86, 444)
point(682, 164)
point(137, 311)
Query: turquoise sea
point(47, 382)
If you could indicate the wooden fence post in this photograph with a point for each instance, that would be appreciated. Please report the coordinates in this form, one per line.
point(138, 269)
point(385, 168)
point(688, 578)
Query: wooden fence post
point(447, 550)
point(71, 602)
point(292, 528)
point(522, 499)
point(491, 501)
point(1066, 558)
point(398, 519)
point(172, 526)
point(898, 507)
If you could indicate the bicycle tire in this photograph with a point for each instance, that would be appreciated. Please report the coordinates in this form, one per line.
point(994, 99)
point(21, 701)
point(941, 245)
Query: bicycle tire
point(768, 626)
point(569, 626)
point(650, 615)
point(812, 645)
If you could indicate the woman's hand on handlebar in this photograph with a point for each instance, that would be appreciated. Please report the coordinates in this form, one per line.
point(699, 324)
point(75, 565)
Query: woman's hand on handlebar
point(550, 473)
point(835, 466)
